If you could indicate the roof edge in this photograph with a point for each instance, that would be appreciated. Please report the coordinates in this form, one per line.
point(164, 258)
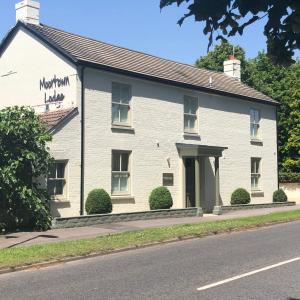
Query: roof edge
point(38, 35)
point(71, 113)
point(174, 83)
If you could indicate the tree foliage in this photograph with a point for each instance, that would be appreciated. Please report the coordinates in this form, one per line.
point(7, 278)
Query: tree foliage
point(24, 156)
point(231, 17)
point(280, 83)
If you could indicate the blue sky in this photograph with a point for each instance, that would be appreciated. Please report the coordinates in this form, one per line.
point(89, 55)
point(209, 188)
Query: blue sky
point(135, 24)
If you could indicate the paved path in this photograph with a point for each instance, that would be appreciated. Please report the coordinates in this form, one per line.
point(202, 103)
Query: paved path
point(176, 271)
point(28, 238)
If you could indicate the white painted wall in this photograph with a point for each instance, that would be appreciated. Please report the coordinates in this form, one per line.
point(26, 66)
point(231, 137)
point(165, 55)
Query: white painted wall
point(157, 115)
point(23, 64)
point(292, 190)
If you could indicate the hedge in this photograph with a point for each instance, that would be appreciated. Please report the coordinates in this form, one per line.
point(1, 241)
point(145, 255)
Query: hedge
point(285, 177)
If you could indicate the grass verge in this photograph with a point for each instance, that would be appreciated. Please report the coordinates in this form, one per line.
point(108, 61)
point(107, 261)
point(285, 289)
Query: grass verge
point(29, 255)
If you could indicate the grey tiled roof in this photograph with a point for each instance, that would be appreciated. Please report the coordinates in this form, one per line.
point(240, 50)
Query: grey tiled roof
point(86, 50)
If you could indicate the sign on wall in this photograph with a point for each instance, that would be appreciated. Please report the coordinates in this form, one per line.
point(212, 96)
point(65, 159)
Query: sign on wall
point(52, 88)
point(168, 179)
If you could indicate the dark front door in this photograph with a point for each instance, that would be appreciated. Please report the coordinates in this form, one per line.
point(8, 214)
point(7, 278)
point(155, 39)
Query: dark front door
point(190, 182)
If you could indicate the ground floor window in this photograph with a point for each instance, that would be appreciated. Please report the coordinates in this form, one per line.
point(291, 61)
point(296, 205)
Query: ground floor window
point(56, 182)
point(255, 173)
point(120, 172)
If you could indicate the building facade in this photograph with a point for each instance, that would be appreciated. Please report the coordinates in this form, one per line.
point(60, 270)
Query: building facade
point(129, 122)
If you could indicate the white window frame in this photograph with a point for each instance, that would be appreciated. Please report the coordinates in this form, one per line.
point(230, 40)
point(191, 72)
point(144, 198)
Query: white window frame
point(120, 173)
point(120, 104)
point(257, 174)
point(62, 196)
point(254, 123)
point(195, 129)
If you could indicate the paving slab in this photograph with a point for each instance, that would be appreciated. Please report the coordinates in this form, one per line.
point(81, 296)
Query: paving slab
point(56, 235)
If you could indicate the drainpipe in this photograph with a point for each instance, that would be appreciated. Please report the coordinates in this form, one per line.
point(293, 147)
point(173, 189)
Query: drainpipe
point(277, 147)
point(82, 142)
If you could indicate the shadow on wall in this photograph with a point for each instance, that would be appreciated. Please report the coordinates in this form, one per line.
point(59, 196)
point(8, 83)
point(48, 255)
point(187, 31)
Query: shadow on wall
point(56, 206)
point(208, 182)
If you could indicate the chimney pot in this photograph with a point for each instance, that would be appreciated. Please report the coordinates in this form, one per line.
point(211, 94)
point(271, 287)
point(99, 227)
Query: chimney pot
point(232, 67)
point(28, 11)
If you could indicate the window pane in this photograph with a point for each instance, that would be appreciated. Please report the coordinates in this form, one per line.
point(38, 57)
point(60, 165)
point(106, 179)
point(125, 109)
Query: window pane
point(52, 171)
point(59, 187)
point(123, 183)
point(256, 116)
point(116, 162)
point(124, 114)
point(252, 117)
point(60, 170)
point(115, 183)
point(125, 94)
point(186, 106)
point(51, 188)
point(116, 92)
point(189, 123)
point(125, 160)
point(193, 105)
point(190, 105)
point(115, 113)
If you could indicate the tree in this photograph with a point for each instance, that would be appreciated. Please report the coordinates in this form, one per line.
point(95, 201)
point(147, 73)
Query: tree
point(278, 82)
point(24, 157)
point(231, 17)
point(283, 85)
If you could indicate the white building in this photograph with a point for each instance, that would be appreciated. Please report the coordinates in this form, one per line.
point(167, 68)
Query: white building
point(129, 122)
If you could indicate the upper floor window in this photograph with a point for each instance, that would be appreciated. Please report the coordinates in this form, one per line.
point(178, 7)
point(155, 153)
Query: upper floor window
point(190, 114)
point(120, 172)
point(121, 97)
point(56, 183)
point(254, 123)
point(255, 173)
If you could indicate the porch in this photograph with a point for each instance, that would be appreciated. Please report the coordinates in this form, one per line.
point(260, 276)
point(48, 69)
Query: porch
point(201, 178)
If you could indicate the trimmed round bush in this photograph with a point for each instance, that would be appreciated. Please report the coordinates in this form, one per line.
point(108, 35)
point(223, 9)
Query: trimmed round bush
point(98, 202)
point(279, 196)
point(240, 196)
point(160, 198)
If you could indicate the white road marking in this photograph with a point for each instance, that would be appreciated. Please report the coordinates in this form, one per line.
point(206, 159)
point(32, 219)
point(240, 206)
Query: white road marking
point(209, 286)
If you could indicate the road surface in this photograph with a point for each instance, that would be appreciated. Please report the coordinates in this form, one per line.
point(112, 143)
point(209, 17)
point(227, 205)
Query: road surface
point(259, 264)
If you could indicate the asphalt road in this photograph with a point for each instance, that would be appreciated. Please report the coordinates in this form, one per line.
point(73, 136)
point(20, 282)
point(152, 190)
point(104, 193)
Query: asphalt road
point(176, 271)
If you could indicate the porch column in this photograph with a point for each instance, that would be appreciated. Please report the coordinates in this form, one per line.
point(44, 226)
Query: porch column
point(218, 208)
point(197, 187)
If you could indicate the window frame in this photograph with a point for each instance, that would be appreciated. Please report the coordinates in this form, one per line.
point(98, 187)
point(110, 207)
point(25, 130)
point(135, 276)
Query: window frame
point(65, 180)
point(255, 124)
point(195, 130)
point(120, 172)
point(258, 174)
point(120, 104)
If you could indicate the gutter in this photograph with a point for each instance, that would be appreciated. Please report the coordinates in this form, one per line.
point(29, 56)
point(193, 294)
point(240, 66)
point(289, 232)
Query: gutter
point(174, 83)
point(82, 142)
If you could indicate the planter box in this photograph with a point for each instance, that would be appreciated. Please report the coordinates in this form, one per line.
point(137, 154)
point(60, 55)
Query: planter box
point(255, 206)
point(91, 220)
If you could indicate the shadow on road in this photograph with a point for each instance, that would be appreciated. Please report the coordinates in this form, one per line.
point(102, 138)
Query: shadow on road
point(31, 239)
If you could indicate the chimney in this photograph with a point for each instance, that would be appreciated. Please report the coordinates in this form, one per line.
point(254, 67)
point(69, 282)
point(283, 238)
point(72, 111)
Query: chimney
point(28, 11)
point(232, 67)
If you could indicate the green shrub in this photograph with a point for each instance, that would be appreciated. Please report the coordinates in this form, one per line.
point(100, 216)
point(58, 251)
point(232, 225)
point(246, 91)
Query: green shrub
point(240, 196)
point(98, 202)
point(289, 177)
point(279, 196)
point(160, 198)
